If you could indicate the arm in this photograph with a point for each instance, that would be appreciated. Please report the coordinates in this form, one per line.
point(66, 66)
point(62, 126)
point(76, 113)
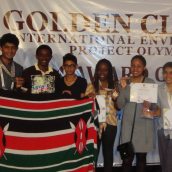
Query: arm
point(27, 79)
point(151, 109)
point(121, 99)
point(90, 91)
point(84, 87)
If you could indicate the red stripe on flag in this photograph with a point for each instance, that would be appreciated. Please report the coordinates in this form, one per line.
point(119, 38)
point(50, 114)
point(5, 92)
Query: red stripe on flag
point(42, 143)
point(39, 143)
point(42, 105)
point(87, 168)
point(92, 134)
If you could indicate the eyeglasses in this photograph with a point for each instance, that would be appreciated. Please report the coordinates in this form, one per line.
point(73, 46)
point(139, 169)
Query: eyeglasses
point(69, 66)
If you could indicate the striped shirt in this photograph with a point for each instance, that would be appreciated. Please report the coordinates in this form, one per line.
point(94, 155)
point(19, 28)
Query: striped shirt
point(111, 117)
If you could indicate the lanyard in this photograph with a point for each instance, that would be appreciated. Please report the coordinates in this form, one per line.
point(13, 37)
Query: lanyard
point(11, 74)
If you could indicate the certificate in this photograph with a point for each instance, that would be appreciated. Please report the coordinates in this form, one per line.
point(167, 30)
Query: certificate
point(102, 108)
point(140, 92)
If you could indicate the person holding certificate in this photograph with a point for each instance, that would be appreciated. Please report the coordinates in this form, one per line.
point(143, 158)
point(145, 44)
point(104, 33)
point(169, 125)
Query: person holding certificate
point(143, 133)
point(165, 130)
point(104, 85)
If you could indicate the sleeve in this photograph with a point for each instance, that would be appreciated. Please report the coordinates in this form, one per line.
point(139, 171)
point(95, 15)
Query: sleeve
point(59, 86)
point(89, 89)
point(19, 70)
point(84, 85)
point(57, 74)
point(27, 78)
point(149, 80)
point(121, 100)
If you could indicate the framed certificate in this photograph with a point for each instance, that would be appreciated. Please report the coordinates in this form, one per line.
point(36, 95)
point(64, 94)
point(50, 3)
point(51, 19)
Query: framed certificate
point(140, 92)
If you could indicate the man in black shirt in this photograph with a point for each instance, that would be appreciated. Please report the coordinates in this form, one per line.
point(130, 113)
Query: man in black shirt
point(41, 78)
point(71, 85)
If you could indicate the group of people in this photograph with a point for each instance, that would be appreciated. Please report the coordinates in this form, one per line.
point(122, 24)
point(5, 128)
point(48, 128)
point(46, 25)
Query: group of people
point(42, 79)
point(39, 78)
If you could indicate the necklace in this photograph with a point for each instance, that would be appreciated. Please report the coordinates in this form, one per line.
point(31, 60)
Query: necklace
point(10, 73)
point(103, 87)
point(70, 81)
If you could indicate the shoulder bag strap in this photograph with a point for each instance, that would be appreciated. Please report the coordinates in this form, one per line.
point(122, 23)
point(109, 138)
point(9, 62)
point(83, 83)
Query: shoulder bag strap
point(133, 119)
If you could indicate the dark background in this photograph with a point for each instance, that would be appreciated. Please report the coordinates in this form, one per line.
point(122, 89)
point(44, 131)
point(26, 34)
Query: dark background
point(149, 168)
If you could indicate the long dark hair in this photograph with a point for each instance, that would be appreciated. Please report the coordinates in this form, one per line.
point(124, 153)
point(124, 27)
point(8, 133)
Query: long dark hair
point(110, 75)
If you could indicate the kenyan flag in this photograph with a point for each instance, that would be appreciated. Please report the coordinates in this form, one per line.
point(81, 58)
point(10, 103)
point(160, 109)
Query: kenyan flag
point(46, 136)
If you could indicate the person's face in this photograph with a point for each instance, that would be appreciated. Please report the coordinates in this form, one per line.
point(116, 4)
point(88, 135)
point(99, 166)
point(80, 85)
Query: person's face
point(137, 68)
point(44, 56)
point(167, 75)
point(102, 72)
point(69, 66)
point(8, 50)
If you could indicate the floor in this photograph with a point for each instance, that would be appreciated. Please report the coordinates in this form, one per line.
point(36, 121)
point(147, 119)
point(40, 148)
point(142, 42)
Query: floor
point(154, 168)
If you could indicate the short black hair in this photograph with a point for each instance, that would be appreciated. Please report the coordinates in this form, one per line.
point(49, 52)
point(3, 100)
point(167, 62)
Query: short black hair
point(141, 58)
point(168, 64)
point(44, 46)
point(9, 38)
point(69, 56)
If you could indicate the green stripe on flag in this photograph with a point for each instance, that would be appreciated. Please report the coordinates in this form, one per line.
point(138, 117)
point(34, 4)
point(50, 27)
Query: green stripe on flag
point(58, 160)
point(43, 114)
point(68, 167)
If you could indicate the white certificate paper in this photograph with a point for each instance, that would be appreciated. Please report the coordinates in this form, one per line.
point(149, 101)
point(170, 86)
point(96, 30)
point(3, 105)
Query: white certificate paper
point(140, 92)
point(102, 105)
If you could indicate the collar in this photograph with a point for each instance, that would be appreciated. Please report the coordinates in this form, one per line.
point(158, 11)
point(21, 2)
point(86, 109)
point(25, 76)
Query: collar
point(8, 65)
point(42, 72)
point(166, 88)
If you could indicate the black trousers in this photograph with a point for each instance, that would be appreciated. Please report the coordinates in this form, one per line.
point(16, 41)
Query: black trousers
point(107, 141)
point(140, 163)
point(165, 151)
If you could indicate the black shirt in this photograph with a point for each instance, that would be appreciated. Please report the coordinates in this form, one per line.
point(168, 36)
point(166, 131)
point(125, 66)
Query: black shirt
point(31, 71)
point(76, 89)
